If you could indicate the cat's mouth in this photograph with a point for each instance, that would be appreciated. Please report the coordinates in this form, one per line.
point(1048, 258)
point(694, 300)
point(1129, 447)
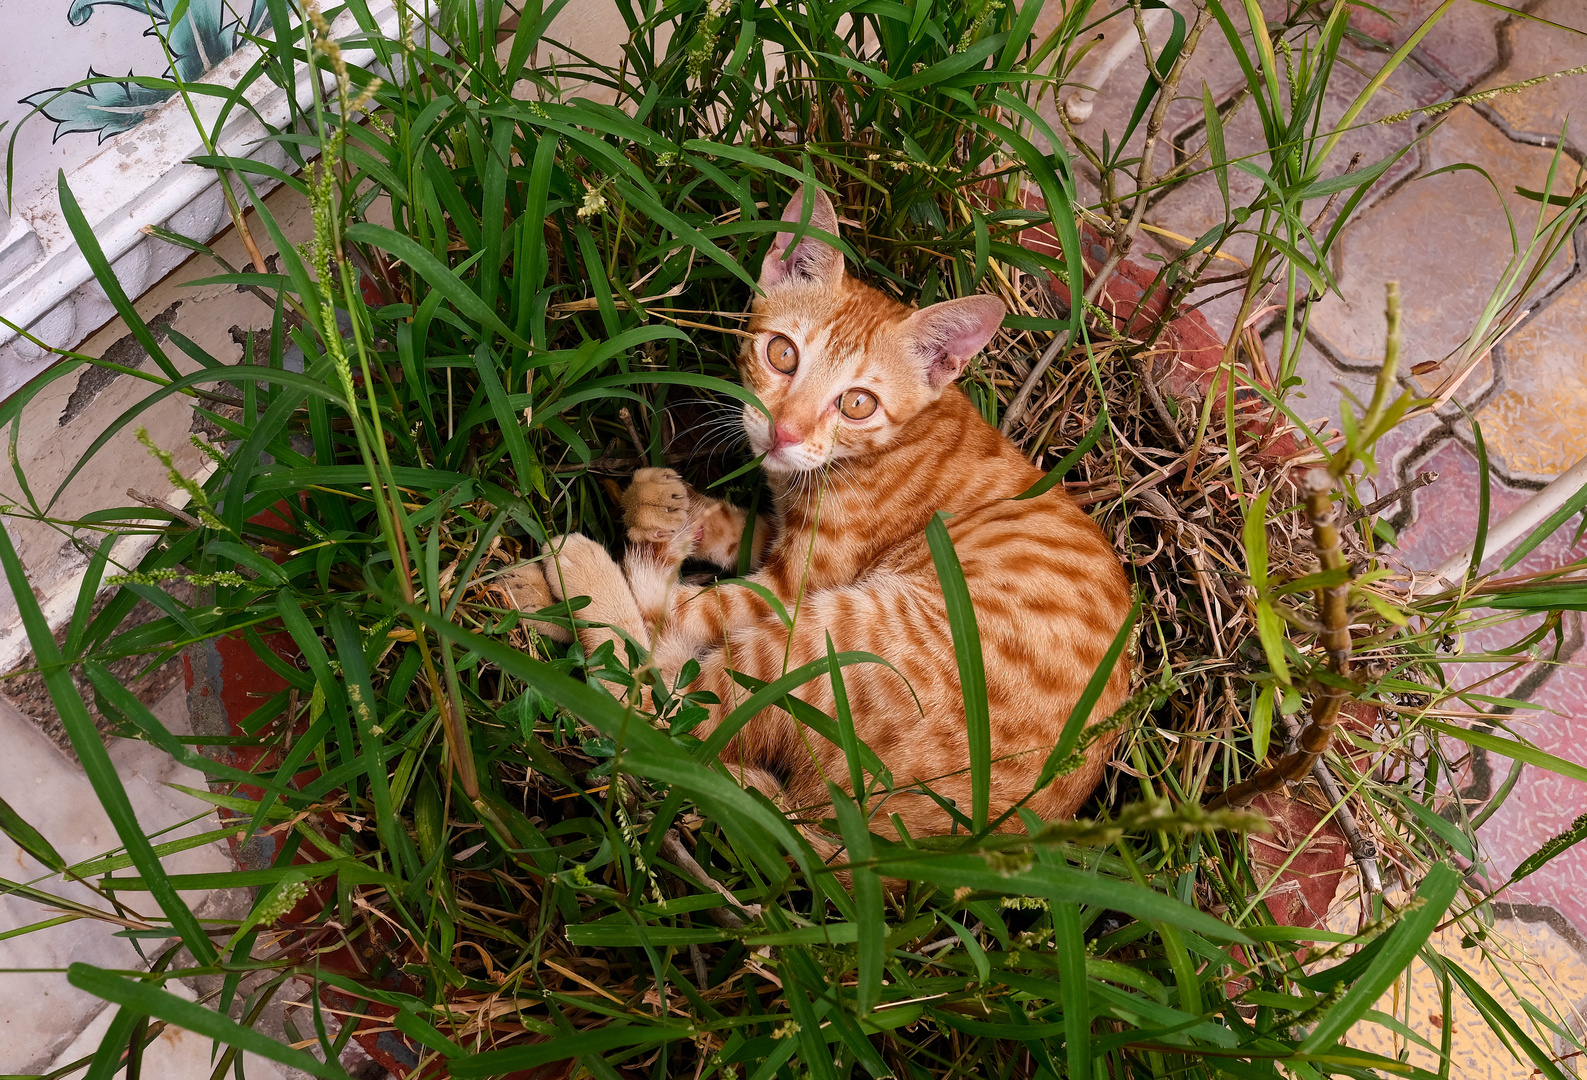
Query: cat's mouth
point(779, 456)
point(795, 458)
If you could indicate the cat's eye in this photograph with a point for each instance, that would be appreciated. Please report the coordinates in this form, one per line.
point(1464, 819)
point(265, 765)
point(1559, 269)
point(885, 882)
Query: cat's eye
point(857, 404)
point(782, 354)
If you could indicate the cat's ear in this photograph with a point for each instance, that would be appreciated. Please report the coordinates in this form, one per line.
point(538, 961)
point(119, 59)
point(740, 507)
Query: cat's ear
point(808, 259)
point(944, 336)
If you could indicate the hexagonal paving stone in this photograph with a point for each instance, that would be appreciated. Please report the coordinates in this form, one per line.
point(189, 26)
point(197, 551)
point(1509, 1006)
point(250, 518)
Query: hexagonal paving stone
point(1544, 804)
point(1198, 205)
point(1446, 239)
point(1212, 65)
point(1536, 426)
point(1536, 49)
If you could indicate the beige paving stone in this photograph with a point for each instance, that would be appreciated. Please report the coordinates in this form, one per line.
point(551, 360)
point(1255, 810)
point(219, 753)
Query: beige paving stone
point(1520, 960)
point(57, 430)
point(175, 1054)
point(1446, 239)
point(1536, 426)
point(1534, 49)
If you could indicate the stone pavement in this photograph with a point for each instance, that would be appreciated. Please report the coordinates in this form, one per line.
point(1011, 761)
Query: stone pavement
point(1446, 238)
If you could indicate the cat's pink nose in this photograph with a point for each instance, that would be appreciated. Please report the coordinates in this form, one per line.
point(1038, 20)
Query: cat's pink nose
point(783, 436)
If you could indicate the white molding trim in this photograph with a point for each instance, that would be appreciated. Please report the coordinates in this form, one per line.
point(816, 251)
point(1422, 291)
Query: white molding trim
point(139, 178)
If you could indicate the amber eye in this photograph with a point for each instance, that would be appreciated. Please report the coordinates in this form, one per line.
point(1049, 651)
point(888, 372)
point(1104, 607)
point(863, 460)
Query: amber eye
point(782, 354)
point(857, 404)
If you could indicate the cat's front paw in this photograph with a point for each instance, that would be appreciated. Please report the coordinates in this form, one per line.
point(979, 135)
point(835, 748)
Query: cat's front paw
point(656, 511)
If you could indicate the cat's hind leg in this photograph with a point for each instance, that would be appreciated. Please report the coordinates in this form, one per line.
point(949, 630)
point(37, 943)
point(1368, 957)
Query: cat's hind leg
point(576, 566)
point(524, 587)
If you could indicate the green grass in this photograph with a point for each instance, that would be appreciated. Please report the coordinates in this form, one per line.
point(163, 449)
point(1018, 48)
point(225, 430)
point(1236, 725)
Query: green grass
point(536, 266)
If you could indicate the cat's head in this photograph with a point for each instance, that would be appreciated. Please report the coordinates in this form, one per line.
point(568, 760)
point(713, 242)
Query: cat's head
point(841, 366)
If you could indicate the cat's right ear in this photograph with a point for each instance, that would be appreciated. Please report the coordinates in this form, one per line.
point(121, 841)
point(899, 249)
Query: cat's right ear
point(794, 260)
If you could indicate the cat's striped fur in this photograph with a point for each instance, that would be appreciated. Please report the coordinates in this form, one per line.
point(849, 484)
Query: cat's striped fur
point(846, 554)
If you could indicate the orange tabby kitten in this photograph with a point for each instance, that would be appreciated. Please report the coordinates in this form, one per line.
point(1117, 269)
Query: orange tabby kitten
point(869, 439)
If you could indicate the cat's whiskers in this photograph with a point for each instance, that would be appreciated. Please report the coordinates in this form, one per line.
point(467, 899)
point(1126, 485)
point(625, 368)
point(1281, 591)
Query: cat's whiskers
point(717, 440)
point(723, 430)
point(716, 413)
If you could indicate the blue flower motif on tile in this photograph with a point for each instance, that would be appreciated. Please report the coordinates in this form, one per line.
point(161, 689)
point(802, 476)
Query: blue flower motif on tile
point(203, 36)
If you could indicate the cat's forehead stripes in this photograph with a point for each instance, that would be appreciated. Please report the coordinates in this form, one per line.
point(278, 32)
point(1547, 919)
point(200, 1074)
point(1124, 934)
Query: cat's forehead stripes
point(861, 313)
point(849, 318)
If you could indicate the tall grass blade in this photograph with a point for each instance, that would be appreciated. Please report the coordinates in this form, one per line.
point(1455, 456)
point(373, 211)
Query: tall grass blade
point(107, 786)
point(134, 994)
point(972, 667)
point(1405, 941)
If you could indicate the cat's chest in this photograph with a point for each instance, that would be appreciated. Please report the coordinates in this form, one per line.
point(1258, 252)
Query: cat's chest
point(812, 557)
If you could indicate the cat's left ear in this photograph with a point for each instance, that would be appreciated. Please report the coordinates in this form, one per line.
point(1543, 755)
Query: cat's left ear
point(806, 259)
point(944, 336)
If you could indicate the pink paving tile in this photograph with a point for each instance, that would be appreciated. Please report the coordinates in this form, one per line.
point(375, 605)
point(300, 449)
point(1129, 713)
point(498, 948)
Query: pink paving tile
point(1197, 205)
point(1212, 65)
point(1445, 522)
point(1321, 400)
point(1445, 515)
point(1544, 804)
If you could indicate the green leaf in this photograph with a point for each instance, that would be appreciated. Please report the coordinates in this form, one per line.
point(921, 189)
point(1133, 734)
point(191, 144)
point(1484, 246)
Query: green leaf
point(1060, 884)
point(972, 667)
point(772, 601)
point(848, 738)
point(649, 752)
point(1075, 725)
point(1405, 941)
point(29, 839)
point(867, 899)
point(1347, 181)
point(1071, 948)
point(1568, 510)
point(1555, 846)
point(1484, 492)
point(561, 1048)
point(88, 244)
point(1215, 147)
point(1262, 723)
point(1270, 628)
point(1503, 1023)
point(1255, 537)
point(1069, 460)
point(1447, 831)
point(1510, 748)
point(435, 274)
point(613, 935)
point(191, 1016)
point(68, 702)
